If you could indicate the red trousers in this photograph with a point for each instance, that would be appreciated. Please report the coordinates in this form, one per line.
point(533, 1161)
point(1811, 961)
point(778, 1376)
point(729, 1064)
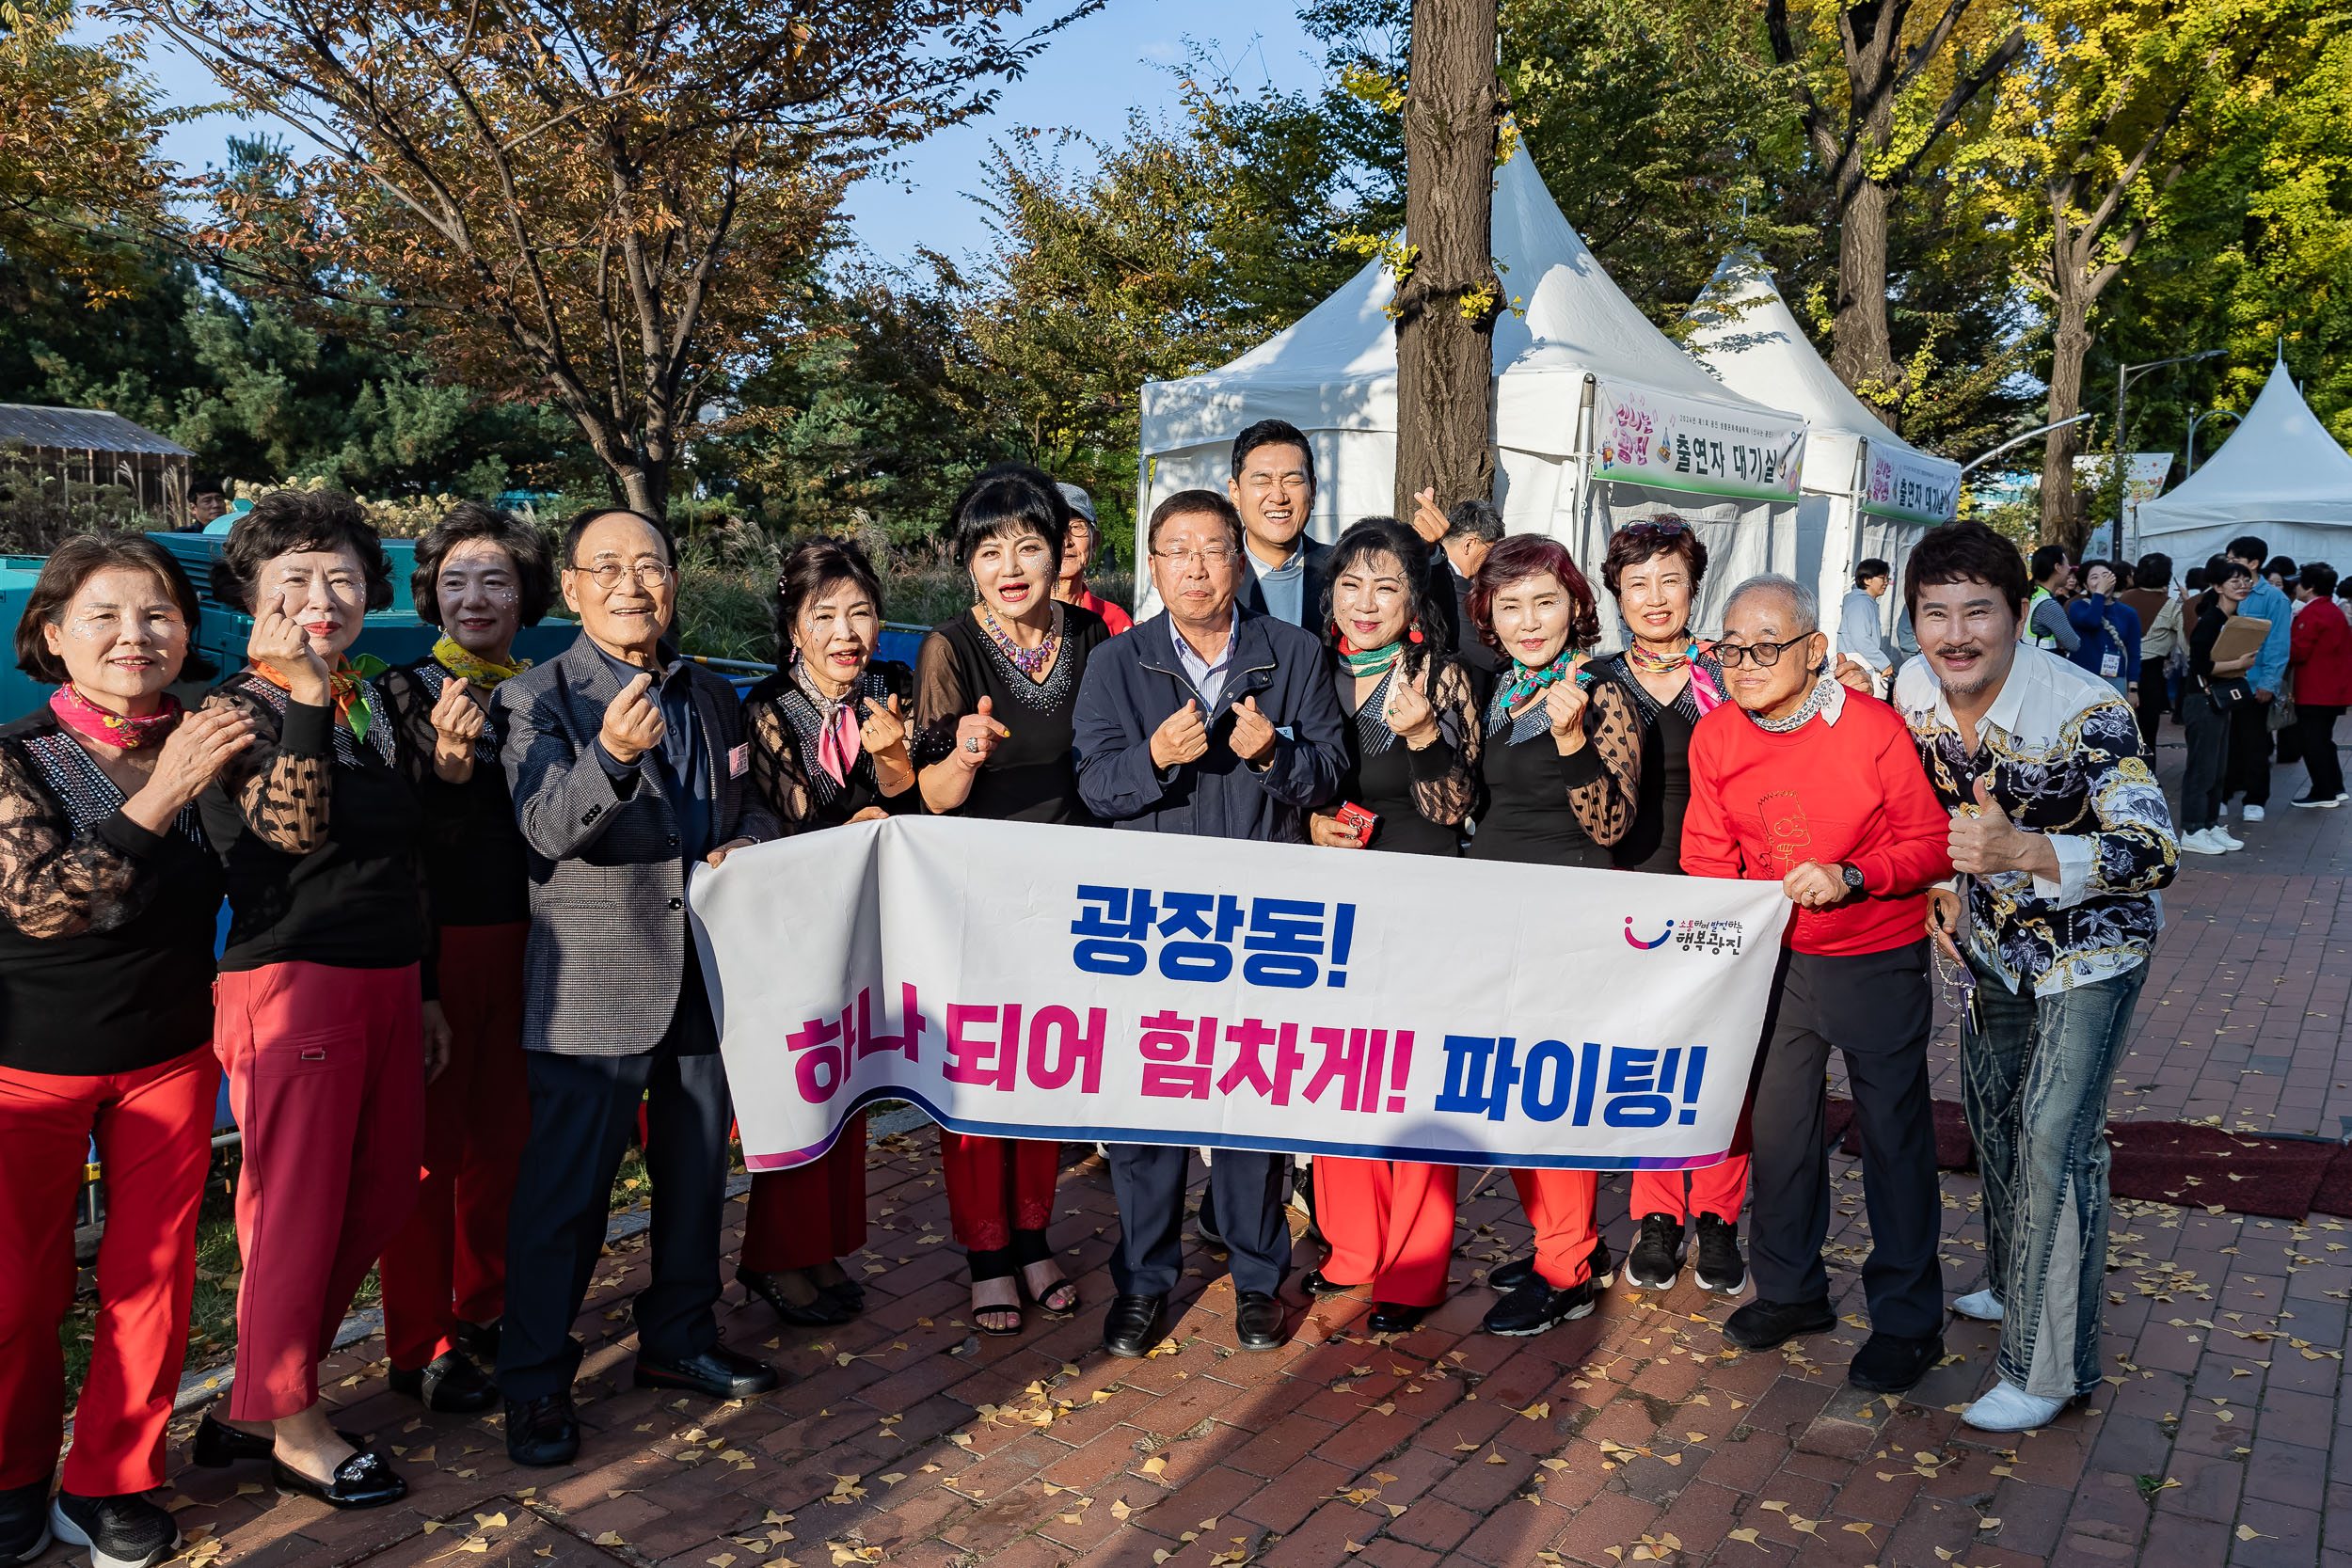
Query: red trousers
point(812, 1214)
point(1390, 1224)
point(327, 1078)
point(448, 1264)
point(997, 1186)
point(1717, 1190)
point(1558, 1204)
point(154, 1144)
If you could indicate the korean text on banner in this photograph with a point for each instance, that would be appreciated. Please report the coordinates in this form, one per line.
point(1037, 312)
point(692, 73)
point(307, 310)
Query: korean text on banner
point(1027, 981)
point(1911, 485)
point(1675, 443)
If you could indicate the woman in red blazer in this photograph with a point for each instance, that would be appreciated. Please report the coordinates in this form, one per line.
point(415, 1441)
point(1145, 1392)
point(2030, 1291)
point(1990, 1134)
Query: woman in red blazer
point(2320, 653)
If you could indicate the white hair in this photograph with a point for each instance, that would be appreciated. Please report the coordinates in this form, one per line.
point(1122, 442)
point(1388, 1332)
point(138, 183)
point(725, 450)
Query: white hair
point(1801, 602)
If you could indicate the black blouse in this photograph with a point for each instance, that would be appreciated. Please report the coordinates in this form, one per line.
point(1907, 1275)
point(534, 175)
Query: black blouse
point(1422, 798)
point(105, 928)
point(1030, 776)
point(322, 833)
point(1546, 809)
point(1654, 843)
point(785, 724)
point(475, 866)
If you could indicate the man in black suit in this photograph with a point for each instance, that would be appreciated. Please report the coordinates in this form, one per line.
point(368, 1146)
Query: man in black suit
point(626, 765)
point(1463, 537)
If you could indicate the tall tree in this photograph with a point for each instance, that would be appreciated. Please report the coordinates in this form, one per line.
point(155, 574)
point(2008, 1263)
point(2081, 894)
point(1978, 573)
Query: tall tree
point(603, 203)
point(1447, 294)
point(1900, 82)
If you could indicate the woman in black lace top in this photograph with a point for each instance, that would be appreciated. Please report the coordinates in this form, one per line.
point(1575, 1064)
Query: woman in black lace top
point(107, 901)
point(995, 691)
point(829, 747)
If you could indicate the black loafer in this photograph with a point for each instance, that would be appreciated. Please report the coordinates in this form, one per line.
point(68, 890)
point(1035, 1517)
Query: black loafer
point(24, 1521)
point(717, 1372)
point(825, 1311)
point(542, 1431)
point(1131, 1324)
point(1258, 1321)
point(1313, 1282)
point(218, 1445)
point(1511, 1275)
point(1387, 1317)
point(1762, 1324)
point(1889, 1364)
point(449, 1382)
point(363, 1481)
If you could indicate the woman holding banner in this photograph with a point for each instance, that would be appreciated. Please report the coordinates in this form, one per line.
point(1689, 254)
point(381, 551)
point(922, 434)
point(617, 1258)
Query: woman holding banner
point(829, 746)
point(1411, 775)
point(1654, 569)
point(995, 691)
point(1562, 766)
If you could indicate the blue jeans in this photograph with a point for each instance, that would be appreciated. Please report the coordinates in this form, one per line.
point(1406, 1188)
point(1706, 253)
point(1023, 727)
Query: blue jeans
point(2034, 1082)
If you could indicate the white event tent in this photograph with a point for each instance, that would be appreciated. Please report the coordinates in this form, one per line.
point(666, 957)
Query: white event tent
point(1867, 491)
point(2280, 475)
point(1598, 417)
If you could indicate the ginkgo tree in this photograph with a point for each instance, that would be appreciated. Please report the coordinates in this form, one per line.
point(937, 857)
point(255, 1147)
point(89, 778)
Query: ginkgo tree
point(602, 203)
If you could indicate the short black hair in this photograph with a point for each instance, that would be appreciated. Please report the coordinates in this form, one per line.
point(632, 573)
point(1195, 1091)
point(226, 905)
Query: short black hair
point(2280, 566)
point(2194, 579)
point(2047, 560)
point(1272, 433)
point(808, 572)
point(1183, 503)
point(1966, 551)
point(2320, 579)
point(1871, 566)
point(1005, 500)
point(2221, 569)
point(2154, 571)
point(1475, 519)
point(2247, 547)
point(525, 546)
point(1369, 537)
point(581, 521)
point(74, 563)
point(286, 521)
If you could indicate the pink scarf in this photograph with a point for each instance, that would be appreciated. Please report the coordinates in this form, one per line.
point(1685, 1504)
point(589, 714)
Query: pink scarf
point(108, 728)
point(838, 748)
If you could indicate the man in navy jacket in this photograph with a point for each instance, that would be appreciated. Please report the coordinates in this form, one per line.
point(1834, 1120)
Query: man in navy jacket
point(1211, 720)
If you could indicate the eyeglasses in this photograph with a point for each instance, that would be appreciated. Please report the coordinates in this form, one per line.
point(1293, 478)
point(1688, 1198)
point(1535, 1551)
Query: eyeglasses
point(1209, 558)
point(1762, 654)
point(648, 574)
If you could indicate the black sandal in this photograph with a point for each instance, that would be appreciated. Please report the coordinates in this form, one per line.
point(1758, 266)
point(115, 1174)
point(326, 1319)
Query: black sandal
point(823, 1310)
point(986, 1268)
point(1059, 1300)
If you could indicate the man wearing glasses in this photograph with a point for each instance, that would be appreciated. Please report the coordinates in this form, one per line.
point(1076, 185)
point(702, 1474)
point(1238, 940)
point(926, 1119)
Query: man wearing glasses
point(627, 764)
point(1208, 719)
point(1799, 781)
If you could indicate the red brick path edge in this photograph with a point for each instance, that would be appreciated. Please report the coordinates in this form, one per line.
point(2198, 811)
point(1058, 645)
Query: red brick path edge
point(1632, 1436)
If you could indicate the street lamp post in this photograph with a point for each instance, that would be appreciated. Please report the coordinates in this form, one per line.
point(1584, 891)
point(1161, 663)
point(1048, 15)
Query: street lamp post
point(2017, 441)
point(2196, 419)
point(2123, 374)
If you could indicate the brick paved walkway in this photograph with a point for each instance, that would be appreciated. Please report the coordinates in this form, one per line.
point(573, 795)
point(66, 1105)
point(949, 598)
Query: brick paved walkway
point(1629, 1437)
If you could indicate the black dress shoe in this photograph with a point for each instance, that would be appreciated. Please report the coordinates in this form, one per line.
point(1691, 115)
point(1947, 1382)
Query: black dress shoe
point(218, 1445)
point(363, 1481)
point(1313, 1282)
point(542, 1431)
point(449, 1382)
point(479, 1341)
point(1387, 1317)
point(1258, 1321)
point(1131, 1324)
point(1762, 1324)
point(717, 1372)
point(1511, 1275)
point(24, 1521)
point(823, 1312)
point(1889, 1364)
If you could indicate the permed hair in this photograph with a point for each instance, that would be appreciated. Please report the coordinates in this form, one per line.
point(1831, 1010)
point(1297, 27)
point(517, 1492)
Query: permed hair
point(1367, 540)
point(1664, 534)
point(808, 572)
point(285, 522)
point(1527, 555)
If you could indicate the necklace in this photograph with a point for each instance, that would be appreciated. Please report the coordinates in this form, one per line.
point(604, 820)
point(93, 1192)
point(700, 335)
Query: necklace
point(1031, 662)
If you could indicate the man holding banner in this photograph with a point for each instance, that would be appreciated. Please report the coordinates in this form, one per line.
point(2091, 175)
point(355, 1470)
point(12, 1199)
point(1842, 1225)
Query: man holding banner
point(1205, 720)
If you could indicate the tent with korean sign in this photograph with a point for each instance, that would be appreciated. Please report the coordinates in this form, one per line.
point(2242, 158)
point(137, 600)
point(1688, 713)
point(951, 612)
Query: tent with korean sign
point(1598, 417)
point(2280, 475)
point(1867, 492)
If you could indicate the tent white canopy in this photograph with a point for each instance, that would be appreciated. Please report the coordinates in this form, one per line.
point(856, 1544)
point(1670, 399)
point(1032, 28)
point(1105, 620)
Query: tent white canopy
point(1867, 491)
point(1598, 416)
point(2280, 475)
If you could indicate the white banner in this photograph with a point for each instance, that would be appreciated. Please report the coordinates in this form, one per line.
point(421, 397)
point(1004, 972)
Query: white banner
point(1911, 485)
point(1676, 443)
point(1027, 981)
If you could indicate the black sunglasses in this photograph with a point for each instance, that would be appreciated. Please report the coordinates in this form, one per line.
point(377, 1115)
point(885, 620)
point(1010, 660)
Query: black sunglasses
point(1762, 654)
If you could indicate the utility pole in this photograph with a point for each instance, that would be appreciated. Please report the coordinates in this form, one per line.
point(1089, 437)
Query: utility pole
point(1446, 304)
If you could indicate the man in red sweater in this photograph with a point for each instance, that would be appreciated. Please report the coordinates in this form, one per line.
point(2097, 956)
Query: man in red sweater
point(1800, 781)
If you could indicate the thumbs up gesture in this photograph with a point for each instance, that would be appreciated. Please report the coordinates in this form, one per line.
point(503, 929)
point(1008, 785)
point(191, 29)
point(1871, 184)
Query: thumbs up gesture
point(1253, 732)
point(977, 735)
point(1988, 841)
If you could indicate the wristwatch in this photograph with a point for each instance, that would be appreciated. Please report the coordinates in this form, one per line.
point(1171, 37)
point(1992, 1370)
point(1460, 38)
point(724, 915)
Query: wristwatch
point(1852, 874)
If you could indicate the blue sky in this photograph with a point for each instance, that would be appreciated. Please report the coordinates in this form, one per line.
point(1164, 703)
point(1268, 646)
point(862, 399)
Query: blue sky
point(1086, 80)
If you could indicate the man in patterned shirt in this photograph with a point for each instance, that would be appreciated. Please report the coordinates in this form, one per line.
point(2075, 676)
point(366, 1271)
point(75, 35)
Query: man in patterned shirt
point(2060, 840)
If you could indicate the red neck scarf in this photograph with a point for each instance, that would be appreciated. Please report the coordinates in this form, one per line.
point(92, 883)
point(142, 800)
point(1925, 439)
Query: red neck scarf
point(108, 728)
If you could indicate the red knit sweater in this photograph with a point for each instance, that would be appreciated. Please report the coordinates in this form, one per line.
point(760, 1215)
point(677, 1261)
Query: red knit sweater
point(1762, 804)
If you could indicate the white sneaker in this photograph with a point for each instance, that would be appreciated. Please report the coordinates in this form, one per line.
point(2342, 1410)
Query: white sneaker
point(2009, 1408)
point(2202, 841)
point(2309, 804)
point(2253, 814)
point(1981, 1306)
point(2226, 839)
point(2222, 813)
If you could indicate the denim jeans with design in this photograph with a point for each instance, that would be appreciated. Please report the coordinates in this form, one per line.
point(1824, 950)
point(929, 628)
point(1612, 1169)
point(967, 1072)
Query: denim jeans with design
point(2034, 1082)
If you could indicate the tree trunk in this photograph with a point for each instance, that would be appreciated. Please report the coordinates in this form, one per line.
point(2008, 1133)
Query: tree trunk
point(1445, 307)
point(1863, 352)
point(2062, 520)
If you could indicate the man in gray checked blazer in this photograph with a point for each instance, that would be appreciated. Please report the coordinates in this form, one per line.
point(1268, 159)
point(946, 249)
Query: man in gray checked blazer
point(626, 765)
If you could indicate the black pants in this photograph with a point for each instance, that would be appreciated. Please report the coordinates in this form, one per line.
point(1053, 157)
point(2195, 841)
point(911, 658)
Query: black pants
point(1873, 1008)
point(2207, 730)
point(2249, 772)
point(2152, 703)
point(1249, 1186)
point(582, 1110)
point(2317, 725)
